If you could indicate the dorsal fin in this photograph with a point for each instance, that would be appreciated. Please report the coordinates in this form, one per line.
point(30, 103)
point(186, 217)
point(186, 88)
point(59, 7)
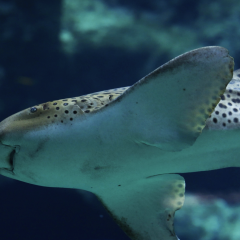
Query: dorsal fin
point(168, 108)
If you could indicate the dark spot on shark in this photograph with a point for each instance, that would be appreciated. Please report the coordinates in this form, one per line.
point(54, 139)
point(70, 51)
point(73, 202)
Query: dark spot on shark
point(57, 108)
point(215, 120)
point(236, 100)
point(235, 120)
point(224, 115)
point(229, 104)
point(224, 124)
point(66, 111)
point(65, 104)
point(222, 105)
point(169, 217)
point(98, 168)
point(235, 110)
point(75, 112)
point(223, 97)
point(55, 103)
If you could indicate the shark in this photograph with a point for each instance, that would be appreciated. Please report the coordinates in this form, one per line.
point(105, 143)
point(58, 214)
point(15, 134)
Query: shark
point(128, 145)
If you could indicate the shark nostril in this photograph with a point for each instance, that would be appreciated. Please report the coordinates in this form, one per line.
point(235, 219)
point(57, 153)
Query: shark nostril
point(45, 106)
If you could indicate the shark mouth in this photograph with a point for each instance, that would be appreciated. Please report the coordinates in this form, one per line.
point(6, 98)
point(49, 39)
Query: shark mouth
point(7, 154)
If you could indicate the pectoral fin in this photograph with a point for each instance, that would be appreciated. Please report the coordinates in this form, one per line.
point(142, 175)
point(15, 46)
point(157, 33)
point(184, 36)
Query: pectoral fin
point(145, 209)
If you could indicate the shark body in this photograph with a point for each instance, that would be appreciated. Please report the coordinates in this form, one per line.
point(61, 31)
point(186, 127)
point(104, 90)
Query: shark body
point(122, 144)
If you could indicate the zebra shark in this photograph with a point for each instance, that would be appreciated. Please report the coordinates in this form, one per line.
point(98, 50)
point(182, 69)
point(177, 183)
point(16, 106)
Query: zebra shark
point(126, 145)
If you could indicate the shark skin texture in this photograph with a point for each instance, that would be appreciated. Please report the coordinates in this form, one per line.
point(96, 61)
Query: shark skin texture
point(124, 145)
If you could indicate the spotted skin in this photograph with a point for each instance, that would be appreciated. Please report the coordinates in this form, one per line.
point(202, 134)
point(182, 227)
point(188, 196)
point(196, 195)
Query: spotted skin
point(227, 113)
point(65, 110)
point(99, 99)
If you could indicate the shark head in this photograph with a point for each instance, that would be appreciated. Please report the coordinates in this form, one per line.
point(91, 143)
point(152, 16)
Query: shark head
point(44, 122)
point(119, 143)
point(36, 118)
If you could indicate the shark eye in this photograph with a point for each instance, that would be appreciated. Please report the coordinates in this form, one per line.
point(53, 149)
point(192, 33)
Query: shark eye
point(33, 109)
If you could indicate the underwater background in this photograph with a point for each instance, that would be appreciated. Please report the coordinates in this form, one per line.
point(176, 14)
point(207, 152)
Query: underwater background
point(54, 49)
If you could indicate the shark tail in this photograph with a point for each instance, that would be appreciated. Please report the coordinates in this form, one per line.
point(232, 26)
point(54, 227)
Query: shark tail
point(145, 209)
